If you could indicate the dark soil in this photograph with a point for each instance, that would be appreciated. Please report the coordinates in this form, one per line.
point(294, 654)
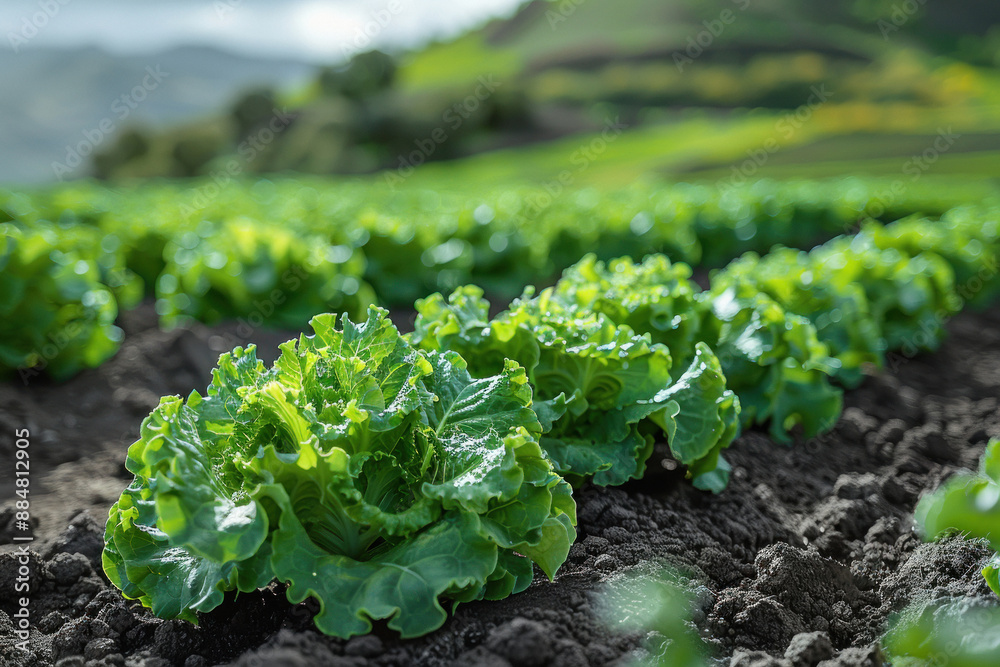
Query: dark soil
point(803, 558)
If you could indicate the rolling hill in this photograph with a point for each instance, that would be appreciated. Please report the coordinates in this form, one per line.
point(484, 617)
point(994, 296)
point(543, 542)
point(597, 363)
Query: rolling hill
point(570, 67)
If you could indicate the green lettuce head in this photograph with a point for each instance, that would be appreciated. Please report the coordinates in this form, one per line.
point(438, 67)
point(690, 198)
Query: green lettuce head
point(357, 470)
point(771, 358)
point(602, 393)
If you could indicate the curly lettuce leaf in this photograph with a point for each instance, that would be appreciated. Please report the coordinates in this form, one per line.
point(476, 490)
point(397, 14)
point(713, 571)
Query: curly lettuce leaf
point(608, 450)
point(246, 269)
point(705, 421)
point(598, 387)
point(401, 583)
point(965, 237)
point(910, 297)
point(773, 360)
point(467, 417)
point(839, 309)
point(461, 323)
point(173, 581)
point(364, 473)
point(652, 297)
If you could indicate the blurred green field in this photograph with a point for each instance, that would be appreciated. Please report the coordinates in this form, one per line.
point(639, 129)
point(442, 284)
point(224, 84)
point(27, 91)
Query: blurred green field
point(696, 87)
point(703, 149)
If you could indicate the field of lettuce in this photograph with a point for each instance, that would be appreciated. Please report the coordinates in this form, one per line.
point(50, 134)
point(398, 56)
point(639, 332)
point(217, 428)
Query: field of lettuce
point(384, 424)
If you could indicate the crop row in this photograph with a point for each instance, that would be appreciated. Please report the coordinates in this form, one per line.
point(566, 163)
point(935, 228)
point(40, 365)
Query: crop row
point(278, 252)
point(381, 473)
point(784, 329)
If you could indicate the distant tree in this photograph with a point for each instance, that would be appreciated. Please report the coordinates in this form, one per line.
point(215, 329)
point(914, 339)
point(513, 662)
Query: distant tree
point(252, 110)
point(193, 151)
point(130, 145)
point(363, 76)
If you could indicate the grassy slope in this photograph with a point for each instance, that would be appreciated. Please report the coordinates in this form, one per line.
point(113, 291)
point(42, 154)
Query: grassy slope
point(707, 149)
point(838, 139)
point(544, 33)
point(577, 63)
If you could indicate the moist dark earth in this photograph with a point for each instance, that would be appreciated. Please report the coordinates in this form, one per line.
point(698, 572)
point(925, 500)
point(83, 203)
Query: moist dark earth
point(800, 561)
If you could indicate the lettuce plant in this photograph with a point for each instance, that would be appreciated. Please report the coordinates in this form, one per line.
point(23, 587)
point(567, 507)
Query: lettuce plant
point(957, 632)
point(772, 359)
point(657, 602)
point(260, 272)
point(654, 297)
point(55, 313)
point(357, 470)
point(866, 294)
point(968, 503)
point(910, 297)
point(602, 393)
point(966, 237)
point(839, 309)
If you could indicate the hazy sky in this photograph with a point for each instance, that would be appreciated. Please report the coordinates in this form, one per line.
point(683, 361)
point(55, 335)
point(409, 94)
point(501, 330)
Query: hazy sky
point(310, 29)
